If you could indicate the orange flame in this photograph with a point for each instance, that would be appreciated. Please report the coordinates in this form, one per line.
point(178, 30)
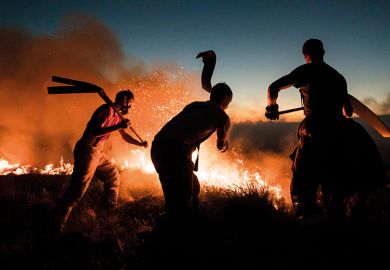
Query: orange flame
point(230, 172)
point(50, 169)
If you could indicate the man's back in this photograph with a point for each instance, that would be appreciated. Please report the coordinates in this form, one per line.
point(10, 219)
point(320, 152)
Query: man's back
point(195, 123)
point(323, 89)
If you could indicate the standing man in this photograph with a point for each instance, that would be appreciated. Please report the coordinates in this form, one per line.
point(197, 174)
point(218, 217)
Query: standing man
point(90, 160)
point(174, 144)
point(326, 105)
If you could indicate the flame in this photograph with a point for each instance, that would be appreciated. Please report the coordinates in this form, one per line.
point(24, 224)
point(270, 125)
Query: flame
point(227, 170)
point(231, 172)
point(137, 160)
point(50, 169)
point(63, 168)
point(7, 168)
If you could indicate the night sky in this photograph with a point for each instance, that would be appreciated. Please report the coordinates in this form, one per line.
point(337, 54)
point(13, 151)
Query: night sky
point(256, 41)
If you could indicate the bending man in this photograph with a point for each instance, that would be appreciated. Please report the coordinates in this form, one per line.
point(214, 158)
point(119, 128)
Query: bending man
point(174, 144)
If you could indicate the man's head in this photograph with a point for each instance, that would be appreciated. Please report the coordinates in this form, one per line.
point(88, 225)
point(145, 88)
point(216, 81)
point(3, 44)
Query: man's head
point(222, 95)
point(314, 49)
point(124, 98)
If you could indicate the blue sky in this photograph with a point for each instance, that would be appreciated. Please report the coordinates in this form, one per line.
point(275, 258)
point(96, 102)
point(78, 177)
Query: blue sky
point(256, 41)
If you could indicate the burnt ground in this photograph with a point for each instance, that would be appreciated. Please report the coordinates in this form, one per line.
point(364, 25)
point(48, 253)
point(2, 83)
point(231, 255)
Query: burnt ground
point(235, 230)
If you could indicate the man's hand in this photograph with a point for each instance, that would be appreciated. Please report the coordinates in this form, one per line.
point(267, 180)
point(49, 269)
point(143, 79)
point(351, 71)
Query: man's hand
point(272, 112)
point(207, 56)
point(124, 124)
point(222, 145)
point(209, 60)
point(144, 144)
point(225, 147)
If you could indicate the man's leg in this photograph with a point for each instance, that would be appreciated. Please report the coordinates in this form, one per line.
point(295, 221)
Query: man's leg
point(195, 193)
point(86, 161)
point(107, 172)
point(177, 183)
point(304, 184)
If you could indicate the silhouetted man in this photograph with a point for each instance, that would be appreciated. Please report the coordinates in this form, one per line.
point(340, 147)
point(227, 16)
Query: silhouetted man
point(174, 144)
point(325, 98)
point(334, 152)
point(90, 160)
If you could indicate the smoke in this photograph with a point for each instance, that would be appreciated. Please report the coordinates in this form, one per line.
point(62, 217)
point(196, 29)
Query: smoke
point(268, 144)
point(36, 127)
point(383, 108)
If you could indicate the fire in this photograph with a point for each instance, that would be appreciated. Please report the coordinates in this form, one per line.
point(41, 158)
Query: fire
point(230, 172)
point(50, 169)
point(63, 168)
point(137, 160)
point(7, 168)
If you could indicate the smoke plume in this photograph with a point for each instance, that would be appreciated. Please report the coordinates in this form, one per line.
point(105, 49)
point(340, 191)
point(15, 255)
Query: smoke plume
point(37, 127)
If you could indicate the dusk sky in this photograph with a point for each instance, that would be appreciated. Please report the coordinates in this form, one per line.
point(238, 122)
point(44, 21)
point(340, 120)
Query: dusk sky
point(256, 41)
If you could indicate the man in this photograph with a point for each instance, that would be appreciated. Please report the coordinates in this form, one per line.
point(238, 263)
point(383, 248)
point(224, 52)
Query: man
point(174, 144)
point(326, 105)
point(90, 160)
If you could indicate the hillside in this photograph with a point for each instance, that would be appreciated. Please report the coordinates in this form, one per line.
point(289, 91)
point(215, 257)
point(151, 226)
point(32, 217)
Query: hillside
point(245, 229)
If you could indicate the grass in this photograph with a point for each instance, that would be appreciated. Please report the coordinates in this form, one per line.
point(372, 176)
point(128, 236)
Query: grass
point(245, 228)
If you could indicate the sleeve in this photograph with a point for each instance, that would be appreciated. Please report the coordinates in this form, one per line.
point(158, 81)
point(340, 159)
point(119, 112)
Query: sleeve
point(297, 76)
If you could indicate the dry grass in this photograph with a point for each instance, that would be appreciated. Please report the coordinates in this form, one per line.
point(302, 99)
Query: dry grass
point(245, 227)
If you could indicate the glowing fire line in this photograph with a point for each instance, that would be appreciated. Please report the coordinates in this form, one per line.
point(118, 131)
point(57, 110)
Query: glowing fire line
point(50, 169)
point(212, 172)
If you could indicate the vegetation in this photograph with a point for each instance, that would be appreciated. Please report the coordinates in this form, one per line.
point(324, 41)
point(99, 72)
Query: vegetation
point(246, 228)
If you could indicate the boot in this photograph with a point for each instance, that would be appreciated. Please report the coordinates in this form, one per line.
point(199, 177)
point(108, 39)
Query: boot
point(61, 218)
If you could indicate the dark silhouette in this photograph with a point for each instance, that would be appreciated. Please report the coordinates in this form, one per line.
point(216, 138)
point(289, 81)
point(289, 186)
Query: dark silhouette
point(334, 153)
point(90, 160)
point(174, 144)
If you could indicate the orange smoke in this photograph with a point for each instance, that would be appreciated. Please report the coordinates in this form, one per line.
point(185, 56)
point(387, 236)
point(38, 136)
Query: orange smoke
point(38, 128)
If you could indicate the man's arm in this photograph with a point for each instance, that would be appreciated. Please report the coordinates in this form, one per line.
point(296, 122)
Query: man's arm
point(222, 132)
point(280, 84)
point(272, 109)
point(128, 138)
point(209, 59)
point(105, 130)
point(347, 106)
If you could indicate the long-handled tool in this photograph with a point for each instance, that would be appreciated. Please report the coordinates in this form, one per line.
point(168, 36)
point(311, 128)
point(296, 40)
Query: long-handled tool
point(363, 112)
point(84, 87)
point(291, 110)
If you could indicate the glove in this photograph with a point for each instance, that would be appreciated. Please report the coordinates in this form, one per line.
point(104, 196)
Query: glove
point(124, 124)
point(144, 144)
point(272, 112)
point(207, 56)
point(223, 145)
point(226, 147)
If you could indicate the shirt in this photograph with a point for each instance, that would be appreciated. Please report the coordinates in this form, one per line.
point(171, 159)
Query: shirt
point(104, 116)
point(323, 89)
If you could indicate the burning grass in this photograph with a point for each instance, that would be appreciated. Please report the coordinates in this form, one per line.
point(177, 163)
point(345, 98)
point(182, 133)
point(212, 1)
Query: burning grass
point(243, 227)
